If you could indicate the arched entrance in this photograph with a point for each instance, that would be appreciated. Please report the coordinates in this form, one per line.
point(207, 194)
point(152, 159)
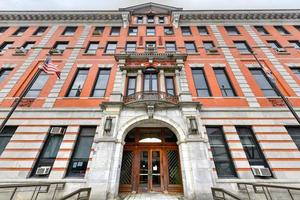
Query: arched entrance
point(150, 161)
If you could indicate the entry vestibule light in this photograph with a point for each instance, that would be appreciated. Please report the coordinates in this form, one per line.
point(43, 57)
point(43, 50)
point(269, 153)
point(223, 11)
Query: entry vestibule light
point(108, 124)
point(193, 125)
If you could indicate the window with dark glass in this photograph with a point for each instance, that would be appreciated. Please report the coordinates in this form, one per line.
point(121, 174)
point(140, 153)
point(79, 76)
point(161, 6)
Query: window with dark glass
point(132, 31)
point(115, 31)
point(28, 45)
point(232, 30)
point(274, 45)
point(294, 132)
point(200, 82)
point(61, 46)
point(49, 151)
point(98, 30)
point(297, 27)
point(221, 155)
point(69, 30)
point(139, 19)
point(168, 30)
point(40, 30)
point(81, 153)
point(203, 30)
point(5, 136)
point(295, 70)
point(4, 72)
point(131, 85)
point(242, 46)
point(5, 45)
point(101, 83)
point(111, 47)
point(37, 85)
point(295, 43)
point(78, 82)
point(263, 82)
point(281, 30)
point(150, 31)
point(3, 29)
point(92, 48)
point(171, 47)
point(150, 19)
point(224, 82)
point(161, 19)
point(150, 80)
point(261, 30)
point(190, 47)
point(186, 30)
point(251, 147)
point(130, 46)
point(20, 31)
point(150, 45)
point(170, 88)
point(208, 45)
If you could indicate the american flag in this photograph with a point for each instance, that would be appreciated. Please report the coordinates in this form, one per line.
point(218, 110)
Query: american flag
point(50, 68)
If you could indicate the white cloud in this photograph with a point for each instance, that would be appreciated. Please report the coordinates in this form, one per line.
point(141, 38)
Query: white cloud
point(116, 4)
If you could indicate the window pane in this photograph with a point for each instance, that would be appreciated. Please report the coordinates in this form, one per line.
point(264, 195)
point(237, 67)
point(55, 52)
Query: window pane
point(101, 84)
point(52, 147)
point(200, 82)
point(131, 85)
point(78, 82)
point(4, 73)
point(38, 85)
point(5, 136)
point(170, 86)
point(263, 83)
point(224, 83)
point(294, 132)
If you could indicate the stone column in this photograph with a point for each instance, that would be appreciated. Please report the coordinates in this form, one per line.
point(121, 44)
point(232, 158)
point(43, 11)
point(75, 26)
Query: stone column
point(139, 81)
point(177, 82)
point(123, 85)
point(162, 83)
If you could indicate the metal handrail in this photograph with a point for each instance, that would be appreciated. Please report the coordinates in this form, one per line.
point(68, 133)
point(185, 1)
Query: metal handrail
point(151, 96)
point(264, 188)
point(78, 193)
point(38, 188)
point(215, 191)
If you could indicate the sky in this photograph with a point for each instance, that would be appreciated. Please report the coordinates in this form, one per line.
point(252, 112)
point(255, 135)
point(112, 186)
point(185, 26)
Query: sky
point(116, 4)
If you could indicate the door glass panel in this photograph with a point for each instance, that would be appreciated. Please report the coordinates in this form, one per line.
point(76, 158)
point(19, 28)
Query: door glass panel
point(173, 167)
point(144, 170)
point(126, 169)
point(156, 169)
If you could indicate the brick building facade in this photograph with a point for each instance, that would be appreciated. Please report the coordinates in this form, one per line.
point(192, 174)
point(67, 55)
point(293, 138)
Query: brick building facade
point(151, 98)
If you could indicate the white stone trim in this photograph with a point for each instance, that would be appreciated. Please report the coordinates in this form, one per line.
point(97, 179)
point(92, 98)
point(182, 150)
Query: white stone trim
point(196, 65)
point(84, 66)
point(105, 65)
point(218, 65)
point(293, 65)
point(8, 66)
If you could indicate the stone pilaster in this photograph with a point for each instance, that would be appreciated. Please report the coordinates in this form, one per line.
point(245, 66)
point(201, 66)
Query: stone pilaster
point(162, 83)
point(183, 92)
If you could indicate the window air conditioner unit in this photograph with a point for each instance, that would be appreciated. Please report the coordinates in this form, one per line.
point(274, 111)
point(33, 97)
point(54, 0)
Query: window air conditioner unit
point(213, 50)
point(55, 51)
point(261, 171)
point(43, 170)
point(150, 46)
point(169, 32)
point(97, 32)
point(280, 50)
point(57, 130)
point(20, 50)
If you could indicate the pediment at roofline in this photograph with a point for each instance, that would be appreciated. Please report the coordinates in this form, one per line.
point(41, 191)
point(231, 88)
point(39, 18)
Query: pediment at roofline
point(150, 8)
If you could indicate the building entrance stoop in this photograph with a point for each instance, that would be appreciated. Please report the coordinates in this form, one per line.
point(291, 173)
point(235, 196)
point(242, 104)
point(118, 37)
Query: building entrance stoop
point(150, 196)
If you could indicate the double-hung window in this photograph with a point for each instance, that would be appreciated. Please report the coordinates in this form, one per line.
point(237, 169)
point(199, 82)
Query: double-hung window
point(242, 47)
point(203, 30)
point(294, 132)
point(69, 31)
point(281, 30)
point(5, 136)
point(295, 43)
point(200, 82)
point(3, 29)
point(132, 31)
point(186, 30)
point(5, 45)
point(20, 31)
point(171, 47)
point(170, 87)
point(232, 30)
point(37, 85)
point(101, 83)
point(92, 48)
point(190, 47)
point(295, 70)
point(150, 31)
point(115, 31)
point(261, 30)
point(130, 47)
point(78, 82)
point(131, 85)
point(40, 31)
point(224, 82)
point(4, 72)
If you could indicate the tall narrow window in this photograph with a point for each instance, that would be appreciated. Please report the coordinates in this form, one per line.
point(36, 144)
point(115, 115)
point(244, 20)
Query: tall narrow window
point(4, 72)
point(115, 31)
point(293, 131)
point(281, 30)
point(37, 85)
point(224, 83)
point(203, 30)
point(186, 30)
point(28, 45)
point(221, 155)
point(295, 43)
point(92, 48)
point(132, 31)
point(150, 80)
point(190, 47)
point(251, 147)
point(274, 45)
point(200, 83)
point(161, 19)
point(295, 70)
point(263, 82)
point(77, 85)
point(261, 30)
point(98, 30)
point(49, 152)
point(3, 29)
point(139, 20)
point(5, 45)
point(70, 30)
point(131, 85)
point(5, 136)
point(170, 88)
point(208, 45)
point(20, 31)
point(40, 30)
point(150, 19)
point(81, 153)
point(171, 47)
point(61, 46)
point(169, 30)
point(242, 47)
point(111, 47)
point(150, 31)
point(101, 84)
point(232, 30)
point(130, 47)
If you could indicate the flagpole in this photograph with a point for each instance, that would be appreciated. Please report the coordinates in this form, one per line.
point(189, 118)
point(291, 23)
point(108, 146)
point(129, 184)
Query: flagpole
point(273, 84)
point(22, 95)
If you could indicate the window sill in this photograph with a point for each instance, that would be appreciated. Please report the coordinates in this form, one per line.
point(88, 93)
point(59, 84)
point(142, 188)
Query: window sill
point(194, 53)
point(19, 54)
point(282, 53)
point(108, 54)
point(217, 53)
point(89, 54)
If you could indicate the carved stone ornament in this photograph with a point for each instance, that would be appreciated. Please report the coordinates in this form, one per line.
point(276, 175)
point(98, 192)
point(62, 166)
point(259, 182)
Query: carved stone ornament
point(150, 110)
